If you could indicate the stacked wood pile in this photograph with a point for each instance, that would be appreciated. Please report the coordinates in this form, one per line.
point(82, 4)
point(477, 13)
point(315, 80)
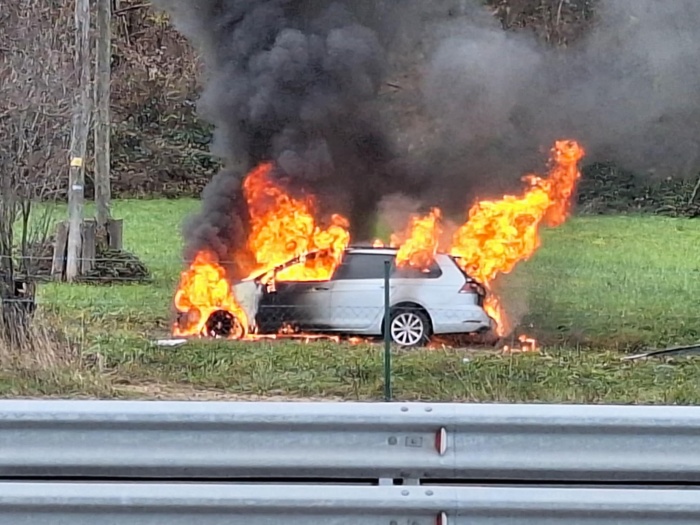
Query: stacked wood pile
point(113, 266)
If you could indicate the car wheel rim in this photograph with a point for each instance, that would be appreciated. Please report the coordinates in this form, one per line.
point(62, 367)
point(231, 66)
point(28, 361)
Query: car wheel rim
point(407, 329)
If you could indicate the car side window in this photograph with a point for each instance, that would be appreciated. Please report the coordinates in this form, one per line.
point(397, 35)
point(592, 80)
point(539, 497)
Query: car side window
point(433, 272)
point(362, 266)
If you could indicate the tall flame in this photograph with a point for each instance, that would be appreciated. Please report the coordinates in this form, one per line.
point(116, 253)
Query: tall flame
point(498, 234)
point(284, 227)
point(420, 243)
point(204, 290)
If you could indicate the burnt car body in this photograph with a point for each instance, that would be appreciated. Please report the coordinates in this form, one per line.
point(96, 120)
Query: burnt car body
point(442, 300)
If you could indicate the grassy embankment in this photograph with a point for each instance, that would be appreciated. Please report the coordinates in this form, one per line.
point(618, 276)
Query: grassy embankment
point(597, 286)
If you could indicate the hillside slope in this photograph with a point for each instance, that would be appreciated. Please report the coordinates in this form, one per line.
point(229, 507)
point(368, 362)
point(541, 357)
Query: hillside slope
point(161, 147)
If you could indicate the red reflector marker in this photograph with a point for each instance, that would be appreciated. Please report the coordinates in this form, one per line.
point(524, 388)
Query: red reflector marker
point(441, 441)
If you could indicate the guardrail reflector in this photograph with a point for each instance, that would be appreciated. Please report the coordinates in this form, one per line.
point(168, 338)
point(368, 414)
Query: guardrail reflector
point(441, 441)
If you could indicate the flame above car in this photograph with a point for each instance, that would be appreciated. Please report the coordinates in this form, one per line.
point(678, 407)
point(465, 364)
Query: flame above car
point(494, 238)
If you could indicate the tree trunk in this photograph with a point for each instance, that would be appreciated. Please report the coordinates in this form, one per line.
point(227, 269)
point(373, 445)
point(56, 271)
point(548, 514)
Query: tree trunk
point(102, 116)
point(79, 138)
point(17, 305)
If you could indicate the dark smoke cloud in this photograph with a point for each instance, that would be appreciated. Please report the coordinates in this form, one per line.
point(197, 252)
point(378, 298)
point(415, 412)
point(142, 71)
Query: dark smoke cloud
point(302, 82)
point(294, 82)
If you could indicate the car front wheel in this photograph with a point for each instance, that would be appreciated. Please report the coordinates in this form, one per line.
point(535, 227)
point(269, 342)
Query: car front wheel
point(409, 327)
point(224, 325)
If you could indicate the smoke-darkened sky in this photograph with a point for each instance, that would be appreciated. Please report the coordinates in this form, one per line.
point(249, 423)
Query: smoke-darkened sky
point(303, 83)
point(629, 91)
point(295, 82)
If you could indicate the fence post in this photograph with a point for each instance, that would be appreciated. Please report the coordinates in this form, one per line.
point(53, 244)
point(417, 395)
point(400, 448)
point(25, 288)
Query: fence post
point(387, 331)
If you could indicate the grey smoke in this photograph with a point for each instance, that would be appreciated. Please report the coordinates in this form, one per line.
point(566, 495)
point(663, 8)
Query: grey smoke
point(302, 82)
point(494, 68)
point(635, 86)
point(629, 91)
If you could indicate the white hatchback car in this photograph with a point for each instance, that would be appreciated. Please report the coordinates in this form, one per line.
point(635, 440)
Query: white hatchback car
point(440, 301)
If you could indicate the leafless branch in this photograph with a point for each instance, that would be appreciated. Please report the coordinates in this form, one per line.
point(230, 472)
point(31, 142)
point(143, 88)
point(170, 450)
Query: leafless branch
point(134, 7)
point(36, 80)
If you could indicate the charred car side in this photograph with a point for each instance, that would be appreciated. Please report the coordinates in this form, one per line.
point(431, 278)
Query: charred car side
point(442, 300)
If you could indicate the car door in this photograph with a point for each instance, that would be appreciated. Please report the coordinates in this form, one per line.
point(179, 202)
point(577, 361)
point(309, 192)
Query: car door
point(357, 292)
point(305, 304)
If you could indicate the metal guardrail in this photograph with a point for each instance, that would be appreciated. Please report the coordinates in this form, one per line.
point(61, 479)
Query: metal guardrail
point(208, 440)
point(224, 504)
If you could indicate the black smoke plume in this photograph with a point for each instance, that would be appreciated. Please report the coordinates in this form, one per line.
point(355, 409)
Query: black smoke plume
point(474, 108)
point(294, 82)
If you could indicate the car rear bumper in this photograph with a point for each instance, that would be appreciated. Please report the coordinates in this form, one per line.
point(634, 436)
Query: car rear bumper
point(461, 321)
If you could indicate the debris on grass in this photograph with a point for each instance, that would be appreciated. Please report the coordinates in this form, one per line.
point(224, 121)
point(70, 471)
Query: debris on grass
point(171, 342)
point(663, 352)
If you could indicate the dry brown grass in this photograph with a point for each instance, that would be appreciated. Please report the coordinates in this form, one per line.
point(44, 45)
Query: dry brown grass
point(34, 345)
point(37, 359)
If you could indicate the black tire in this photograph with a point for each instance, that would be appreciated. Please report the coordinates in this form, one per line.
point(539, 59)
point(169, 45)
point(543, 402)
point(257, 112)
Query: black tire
point(409, 327)
point(224, 325)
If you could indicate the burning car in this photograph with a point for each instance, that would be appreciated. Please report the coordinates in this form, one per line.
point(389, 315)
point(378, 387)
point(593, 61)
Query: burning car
point(438, 300)
point(440, 284)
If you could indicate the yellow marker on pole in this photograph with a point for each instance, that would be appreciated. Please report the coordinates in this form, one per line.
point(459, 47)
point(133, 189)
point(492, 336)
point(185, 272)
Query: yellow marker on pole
point(76, 162)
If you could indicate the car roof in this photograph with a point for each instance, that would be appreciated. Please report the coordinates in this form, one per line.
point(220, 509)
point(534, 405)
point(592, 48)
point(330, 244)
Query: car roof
point(371, 250)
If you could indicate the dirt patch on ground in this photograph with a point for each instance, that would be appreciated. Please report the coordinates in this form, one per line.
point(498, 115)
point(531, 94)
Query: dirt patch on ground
point(189, 393)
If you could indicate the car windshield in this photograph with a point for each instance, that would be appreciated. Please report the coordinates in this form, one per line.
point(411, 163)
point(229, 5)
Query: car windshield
point(267, 275)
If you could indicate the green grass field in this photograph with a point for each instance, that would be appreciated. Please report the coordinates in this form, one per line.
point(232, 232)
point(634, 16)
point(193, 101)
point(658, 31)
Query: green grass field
point(597, 286)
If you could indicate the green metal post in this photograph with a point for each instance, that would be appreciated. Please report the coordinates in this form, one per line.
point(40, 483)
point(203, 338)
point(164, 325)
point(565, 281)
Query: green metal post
point(387, 331)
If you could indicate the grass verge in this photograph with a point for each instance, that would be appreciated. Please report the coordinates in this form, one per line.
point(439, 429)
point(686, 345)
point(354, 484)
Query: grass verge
point(598, 285)
point(325, 370)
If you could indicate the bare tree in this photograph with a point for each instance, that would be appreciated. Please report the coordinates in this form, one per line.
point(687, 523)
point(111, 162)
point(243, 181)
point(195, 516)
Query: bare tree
point(36, 79)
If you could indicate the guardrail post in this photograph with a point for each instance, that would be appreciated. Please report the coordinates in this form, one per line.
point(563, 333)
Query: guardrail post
point(387, 331)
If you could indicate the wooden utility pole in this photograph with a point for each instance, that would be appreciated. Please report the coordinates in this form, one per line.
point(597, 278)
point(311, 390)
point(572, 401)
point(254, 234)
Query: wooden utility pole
point(103, 193)
point(79, 138)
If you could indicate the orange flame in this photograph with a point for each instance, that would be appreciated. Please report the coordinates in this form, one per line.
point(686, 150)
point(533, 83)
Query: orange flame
point(498, 234)
point(284, 227)
point(527, 345)
point(203, 291)
point(422, 237)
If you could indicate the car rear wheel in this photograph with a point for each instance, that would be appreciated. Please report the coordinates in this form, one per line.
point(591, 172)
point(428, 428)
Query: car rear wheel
point(409, 327)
